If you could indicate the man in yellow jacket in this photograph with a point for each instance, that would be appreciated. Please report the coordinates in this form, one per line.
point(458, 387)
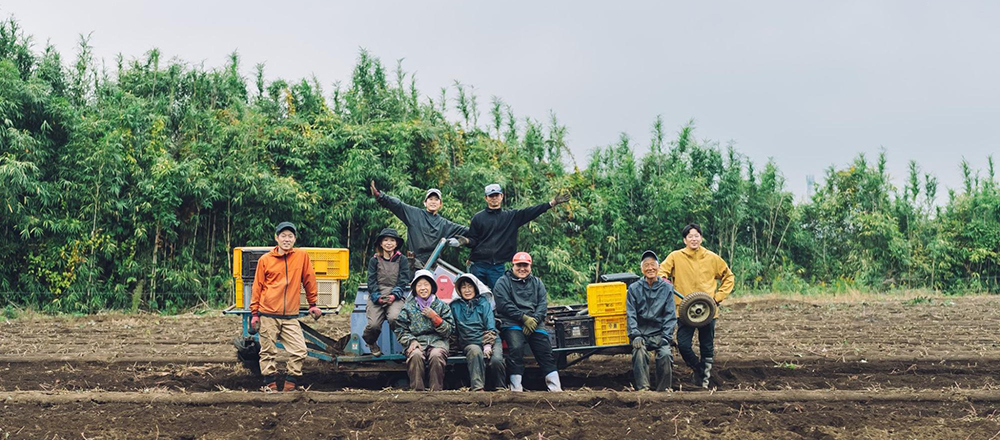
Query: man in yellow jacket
point(281, 275)
point(696, 269)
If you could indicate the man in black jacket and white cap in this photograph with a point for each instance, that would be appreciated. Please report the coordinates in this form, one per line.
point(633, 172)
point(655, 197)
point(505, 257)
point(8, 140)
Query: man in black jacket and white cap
point(493, 233)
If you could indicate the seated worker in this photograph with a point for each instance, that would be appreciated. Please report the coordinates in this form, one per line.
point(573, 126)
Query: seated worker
point(388, 278)
point(274, 307)
point(477, 334)
point(521, 306)
point(651, 316)
point(424, 327)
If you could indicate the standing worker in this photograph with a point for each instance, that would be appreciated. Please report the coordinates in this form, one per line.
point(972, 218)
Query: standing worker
point(696, 269)
point(424, 227)
point(274, 308)
point(388, 279)
point(651, 316)
point(493, 233)
point(521, 307)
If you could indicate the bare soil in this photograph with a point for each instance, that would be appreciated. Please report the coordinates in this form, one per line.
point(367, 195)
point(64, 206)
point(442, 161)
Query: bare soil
point(785, 369)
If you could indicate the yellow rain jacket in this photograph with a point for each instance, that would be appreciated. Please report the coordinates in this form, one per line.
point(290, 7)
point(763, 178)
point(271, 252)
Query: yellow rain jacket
point(698, 271)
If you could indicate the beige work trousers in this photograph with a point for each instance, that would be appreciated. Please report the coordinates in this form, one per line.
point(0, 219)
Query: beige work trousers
point(289, 333)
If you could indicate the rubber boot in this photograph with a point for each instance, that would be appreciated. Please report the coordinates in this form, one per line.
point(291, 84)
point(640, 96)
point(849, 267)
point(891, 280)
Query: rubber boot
point(696, 372)
point(706, 372)
point(552, 381)
point(515, 383)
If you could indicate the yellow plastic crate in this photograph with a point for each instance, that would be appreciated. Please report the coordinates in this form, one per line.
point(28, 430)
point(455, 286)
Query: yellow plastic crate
point(610, 330)
point(241, 291)
point(329, 263)
point(328, 293)
point(604, 299)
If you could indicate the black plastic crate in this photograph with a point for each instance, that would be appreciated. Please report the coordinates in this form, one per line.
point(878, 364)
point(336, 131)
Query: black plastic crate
point(625, 277)
point(249, 261)
point(575, 331)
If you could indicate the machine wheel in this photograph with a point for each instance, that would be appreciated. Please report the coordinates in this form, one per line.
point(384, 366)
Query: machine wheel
point(697, 309)
point(248, 353)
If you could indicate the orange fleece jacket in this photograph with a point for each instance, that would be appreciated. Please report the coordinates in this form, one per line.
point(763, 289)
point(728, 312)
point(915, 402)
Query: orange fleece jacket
point(278, 281)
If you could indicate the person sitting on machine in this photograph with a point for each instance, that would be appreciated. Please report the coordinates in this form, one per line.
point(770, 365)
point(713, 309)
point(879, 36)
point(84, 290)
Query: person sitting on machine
point(388, 277)
point(651, 315)
point(522, 305)
point(424, 327)
point(477, 334)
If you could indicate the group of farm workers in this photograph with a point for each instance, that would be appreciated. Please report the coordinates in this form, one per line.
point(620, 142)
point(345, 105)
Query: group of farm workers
point(482, 328)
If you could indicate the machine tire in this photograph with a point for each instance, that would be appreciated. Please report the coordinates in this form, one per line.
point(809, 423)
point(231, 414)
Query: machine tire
point(248, 353)
point(697, 309)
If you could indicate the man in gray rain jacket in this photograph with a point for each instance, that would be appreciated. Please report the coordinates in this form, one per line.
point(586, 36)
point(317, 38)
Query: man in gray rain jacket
point(424, 227)
point(651, 316)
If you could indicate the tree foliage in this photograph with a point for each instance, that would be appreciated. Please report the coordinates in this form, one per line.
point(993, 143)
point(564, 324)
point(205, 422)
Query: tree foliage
point(131, 187)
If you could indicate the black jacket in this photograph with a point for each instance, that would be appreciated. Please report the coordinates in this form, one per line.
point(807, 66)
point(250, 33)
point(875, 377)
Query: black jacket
point(493, 232)
point(517, 297)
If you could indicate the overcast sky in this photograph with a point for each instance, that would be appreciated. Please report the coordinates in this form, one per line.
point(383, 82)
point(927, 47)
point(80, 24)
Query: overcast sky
point(809, 84)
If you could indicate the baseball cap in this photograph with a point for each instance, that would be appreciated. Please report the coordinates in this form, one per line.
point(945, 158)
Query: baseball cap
point(493, 188)
point(648, 254)
point(433, 191)
point(522, 257)
point(285, 225)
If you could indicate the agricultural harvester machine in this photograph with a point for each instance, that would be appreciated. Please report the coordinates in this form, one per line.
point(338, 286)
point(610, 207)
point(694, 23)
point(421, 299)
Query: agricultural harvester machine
point(577, 331)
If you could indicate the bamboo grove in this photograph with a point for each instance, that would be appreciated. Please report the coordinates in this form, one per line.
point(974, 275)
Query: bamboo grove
point(126, 187)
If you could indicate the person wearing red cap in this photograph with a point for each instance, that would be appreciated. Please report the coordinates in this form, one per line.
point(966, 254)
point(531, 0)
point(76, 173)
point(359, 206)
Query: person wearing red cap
point(521, 307)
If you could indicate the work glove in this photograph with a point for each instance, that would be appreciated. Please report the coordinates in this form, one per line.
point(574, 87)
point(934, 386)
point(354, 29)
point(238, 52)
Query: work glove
point(375, 192)
point(433, 316)
point(638, 343)
point(559, 199)
point(530, 324)
point(453, 242)
point(254, 324)
point(488, 350)
point(414, 345)
point(315, 312)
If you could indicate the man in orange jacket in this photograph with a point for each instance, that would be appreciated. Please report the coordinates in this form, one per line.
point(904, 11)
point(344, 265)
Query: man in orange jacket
point(280, 276)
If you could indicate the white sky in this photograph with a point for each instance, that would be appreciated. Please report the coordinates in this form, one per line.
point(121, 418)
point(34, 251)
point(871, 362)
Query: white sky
point(810, 84)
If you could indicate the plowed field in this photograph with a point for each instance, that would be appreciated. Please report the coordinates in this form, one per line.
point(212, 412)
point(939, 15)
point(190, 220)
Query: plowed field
point(877, 369)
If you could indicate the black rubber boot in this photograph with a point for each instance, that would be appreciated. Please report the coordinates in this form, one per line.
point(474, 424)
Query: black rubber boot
point(706, 372)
